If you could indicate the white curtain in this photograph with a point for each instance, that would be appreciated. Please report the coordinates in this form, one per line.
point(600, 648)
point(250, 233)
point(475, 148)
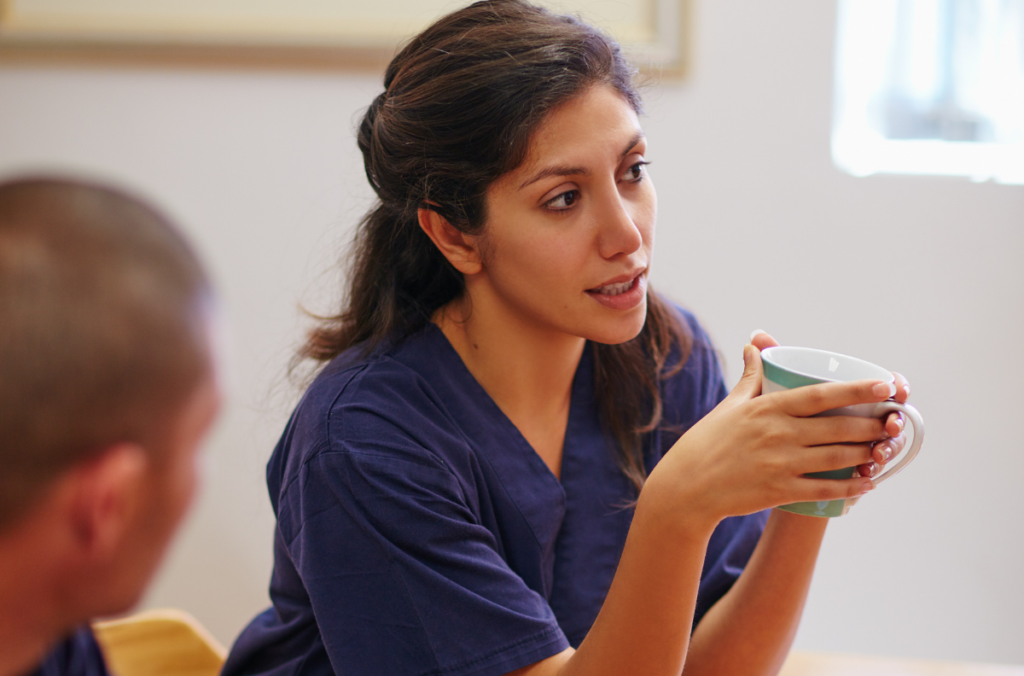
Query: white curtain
point(939, 69)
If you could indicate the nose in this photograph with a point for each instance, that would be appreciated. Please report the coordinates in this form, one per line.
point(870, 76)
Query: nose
point(618, 234)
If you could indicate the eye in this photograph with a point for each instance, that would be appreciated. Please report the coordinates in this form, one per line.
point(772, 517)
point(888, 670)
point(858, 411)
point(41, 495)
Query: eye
point(635, 173)
point(564, 200)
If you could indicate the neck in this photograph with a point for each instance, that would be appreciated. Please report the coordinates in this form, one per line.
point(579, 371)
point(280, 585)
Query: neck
point(27, 629)
point(526, 368)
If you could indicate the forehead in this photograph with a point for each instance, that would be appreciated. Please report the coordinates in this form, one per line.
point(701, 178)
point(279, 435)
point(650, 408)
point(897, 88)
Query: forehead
point(590, 127)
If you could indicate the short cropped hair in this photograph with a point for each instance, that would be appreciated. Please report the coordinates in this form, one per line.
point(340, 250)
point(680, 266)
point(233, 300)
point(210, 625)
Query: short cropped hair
point(102, 330)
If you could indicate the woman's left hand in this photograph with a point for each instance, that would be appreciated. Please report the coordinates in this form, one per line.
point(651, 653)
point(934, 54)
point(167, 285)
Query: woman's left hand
point(884, 450)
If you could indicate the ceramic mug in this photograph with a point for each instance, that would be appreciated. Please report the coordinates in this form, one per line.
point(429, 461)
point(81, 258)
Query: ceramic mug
point(788, 367)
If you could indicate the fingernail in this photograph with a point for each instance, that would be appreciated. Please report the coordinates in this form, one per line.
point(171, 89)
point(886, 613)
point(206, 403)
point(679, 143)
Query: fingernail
point(756, 331)
point(886, 452)
point(866, 488)
point(746, 355)
point(906, 390)
point(899, 420)
point(884, 390)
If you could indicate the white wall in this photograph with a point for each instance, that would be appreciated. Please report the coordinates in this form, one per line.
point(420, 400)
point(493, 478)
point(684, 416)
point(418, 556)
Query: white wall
point(921, 275)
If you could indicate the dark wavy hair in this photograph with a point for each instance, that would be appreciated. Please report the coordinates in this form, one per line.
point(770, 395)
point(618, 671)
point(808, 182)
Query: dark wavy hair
point(459, 105)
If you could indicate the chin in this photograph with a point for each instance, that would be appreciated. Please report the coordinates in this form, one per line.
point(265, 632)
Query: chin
point(621, 329)
point(113, 599)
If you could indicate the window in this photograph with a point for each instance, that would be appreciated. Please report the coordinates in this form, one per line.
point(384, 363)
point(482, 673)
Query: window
point(930, 87)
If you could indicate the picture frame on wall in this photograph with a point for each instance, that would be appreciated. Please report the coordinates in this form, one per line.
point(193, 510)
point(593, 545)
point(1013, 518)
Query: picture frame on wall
point(330, 33)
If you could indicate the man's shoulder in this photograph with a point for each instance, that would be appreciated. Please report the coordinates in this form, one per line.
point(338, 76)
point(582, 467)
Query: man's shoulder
point(77, 655)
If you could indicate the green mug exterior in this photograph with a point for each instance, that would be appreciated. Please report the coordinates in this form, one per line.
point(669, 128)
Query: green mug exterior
point(777, 378)
point(829, 508)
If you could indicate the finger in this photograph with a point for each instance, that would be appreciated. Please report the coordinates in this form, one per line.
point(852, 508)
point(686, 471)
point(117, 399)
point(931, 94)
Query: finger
point(761, 340)
point(902, 388)
point(882, 452)
point(810, 489)
point(837, 429)
point(898, 443)
point(870, 469)
point(885, 451)
point(894, 424)
point(813, 399)
point(830, 458)
point(749, 385)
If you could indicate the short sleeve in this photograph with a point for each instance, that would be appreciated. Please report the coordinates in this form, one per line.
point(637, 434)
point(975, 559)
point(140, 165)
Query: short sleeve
point(402, 575)
point(689, 395)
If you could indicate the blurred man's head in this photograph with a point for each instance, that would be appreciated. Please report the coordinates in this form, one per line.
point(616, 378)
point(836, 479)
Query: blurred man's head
point(107, 386)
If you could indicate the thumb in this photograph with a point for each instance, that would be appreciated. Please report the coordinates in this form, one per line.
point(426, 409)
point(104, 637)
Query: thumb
point(749, 385)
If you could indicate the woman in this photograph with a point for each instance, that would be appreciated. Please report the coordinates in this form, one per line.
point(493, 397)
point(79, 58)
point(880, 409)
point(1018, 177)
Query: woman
point(491, 474)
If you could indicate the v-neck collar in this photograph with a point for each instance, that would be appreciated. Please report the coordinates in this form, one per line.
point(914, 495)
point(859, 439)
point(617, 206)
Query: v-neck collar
point(579, 523)
point(457, 365)
point(525, 476)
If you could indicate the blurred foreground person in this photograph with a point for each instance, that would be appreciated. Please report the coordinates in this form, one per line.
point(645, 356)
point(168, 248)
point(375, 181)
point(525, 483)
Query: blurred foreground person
point(107, 387)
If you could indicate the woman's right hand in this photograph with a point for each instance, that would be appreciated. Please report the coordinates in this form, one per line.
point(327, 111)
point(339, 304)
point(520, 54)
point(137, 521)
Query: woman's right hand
point(751, 452)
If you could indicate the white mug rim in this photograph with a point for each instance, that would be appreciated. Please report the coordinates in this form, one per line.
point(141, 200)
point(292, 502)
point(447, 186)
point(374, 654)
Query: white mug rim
point(768, 353)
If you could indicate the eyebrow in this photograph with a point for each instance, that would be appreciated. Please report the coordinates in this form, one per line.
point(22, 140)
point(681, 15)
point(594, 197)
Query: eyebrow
point(565, 170)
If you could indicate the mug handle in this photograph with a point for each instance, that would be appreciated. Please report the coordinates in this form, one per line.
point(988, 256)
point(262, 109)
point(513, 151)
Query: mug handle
point(915, 445)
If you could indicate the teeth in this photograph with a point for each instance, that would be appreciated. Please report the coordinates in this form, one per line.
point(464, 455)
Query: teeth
point(615, 289)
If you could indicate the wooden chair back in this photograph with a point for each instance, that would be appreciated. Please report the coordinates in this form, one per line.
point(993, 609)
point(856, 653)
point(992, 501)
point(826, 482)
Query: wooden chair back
point(163, 642)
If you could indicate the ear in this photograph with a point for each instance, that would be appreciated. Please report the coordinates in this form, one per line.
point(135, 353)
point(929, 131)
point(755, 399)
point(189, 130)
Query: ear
point(107, 494)
point(461, 250)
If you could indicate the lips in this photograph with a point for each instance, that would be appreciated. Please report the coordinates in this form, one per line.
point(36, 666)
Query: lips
point(617, 285)
point(623, 293)
point(614, 289)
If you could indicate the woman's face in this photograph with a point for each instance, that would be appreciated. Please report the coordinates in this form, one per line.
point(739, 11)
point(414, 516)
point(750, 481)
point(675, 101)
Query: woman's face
point(569, 232)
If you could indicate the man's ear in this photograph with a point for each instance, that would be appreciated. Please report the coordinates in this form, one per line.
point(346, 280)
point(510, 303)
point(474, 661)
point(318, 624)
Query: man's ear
point(106, 495)
point(461, 250)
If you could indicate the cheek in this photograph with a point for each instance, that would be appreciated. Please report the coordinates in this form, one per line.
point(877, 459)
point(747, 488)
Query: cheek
point(540, 266)
point(182, 486)
point(645, 214)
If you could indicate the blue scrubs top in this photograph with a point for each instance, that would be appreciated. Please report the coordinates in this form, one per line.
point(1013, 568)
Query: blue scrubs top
point(419, 533)
point(77, 655)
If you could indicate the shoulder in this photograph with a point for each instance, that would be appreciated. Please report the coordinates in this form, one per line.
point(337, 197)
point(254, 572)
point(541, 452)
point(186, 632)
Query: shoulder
point(373, 444)
point(394, 391)
point(699, 341)
point(76, 655)
point(690, 391)
point(376, 409)
point(701, 366)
